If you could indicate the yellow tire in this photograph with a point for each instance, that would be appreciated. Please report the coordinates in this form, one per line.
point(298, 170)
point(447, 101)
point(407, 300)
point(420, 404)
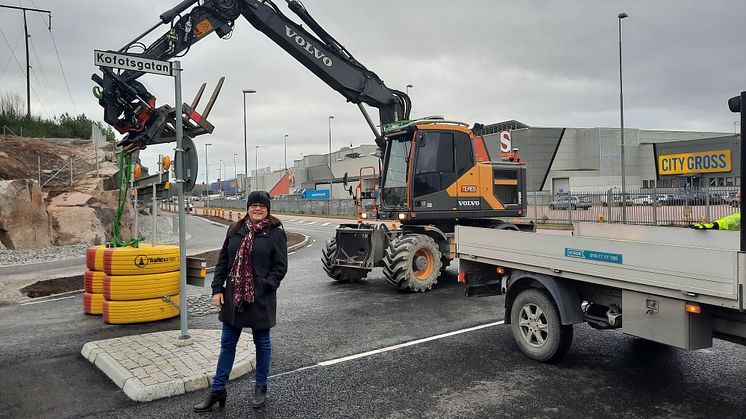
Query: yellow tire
point(93, 282)
point(94, 258)
point(93, 303)
point(140, 311)
point(140, 287)
point(141, 260)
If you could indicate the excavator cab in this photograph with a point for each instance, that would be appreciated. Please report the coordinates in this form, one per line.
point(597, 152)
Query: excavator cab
point(440, 171)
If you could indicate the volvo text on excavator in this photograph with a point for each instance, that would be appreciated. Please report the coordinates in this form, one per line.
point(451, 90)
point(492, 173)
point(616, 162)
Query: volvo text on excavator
point(435, 173)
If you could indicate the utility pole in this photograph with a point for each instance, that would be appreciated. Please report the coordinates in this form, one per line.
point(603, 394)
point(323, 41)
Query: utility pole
point(28, 64)
point(256, 172)
point(286, 153)
point(621, 119)
point(331, 175)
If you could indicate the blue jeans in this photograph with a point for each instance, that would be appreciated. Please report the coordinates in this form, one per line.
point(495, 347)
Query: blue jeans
point(228, 342)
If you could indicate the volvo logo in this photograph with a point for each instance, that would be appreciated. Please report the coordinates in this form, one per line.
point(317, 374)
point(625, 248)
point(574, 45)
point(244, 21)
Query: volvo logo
point(308, 47)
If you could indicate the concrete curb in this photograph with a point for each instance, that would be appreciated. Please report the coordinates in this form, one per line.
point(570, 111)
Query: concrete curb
point(292, 248)
point(302, 244)
point(153, 366)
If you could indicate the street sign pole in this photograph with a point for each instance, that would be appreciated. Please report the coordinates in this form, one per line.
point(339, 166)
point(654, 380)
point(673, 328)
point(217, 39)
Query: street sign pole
point(180, 190)
point(166, 68)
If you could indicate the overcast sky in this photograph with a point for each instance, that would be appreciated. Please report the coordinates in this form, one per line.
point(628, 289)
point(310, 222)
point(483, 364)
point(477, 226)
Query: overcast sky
point(544, 63)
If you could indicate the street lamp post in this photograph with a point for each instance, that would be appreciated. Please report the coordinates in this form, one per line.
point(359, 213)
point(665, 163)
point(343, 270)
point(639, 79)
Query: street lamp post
point(221, 177)
point(245, 147)
point(621, 120)
point(331, 173)
point(286, 152)
point(235, 171)
point(256, 172)
point(207, 178)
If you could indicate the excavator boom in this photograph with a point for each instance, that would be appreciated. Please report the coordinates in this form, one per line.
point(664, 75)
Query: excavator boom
point(129, 107)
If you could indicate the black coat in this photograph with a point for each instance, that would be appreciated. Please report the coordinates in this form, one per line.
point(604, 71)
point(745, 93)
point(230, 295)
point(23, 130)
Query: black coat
point(270, 258)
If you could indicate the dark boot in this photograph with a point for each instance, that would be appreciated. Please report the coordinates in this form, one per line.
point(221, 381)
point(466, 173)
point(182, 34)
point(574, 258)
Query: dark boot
point(212, 398)
point(260, 396)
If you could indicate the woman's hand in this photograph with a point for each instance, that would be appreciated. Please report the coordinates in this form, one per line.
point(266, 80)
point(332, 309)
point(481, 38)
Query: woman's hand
point(217, 299)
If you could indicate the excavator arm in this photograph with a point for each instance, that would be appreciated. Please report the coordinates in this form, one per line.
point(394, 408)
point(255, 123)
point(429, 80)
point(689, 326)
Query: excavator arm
point(130, 108)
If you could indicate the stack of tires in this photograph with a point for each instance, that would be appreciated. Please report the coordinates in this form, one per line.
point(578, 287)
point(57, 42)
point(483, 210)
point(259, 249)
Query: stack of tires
point(93, 280)
point(139, 284)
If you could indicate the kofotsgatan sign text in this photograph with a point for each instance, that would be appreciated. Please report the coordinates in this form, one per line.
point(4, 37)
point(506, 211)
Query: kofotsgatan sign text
point(131, 62)
point(702, 162)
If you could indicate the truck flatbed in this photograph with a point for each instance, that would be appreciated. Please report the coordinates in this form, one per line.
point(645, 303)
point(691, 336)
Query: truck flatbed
point(700, 266)
point(671, 285)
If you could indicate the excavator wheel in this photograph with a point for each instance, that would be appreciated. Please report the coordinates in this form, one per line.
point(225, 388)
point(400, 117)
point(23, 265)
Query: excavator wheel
point(412, 262)
point(339, 273)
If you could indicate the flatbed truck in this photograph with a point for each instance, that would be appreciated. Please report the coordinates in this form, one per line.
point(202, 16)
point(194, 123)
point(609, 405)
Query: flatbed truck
point(675, 286)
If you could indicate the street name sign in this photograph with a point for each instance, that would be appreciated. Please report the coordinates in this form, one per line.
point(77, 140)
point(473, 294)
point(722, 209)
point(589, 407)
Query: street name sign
point(132, 62)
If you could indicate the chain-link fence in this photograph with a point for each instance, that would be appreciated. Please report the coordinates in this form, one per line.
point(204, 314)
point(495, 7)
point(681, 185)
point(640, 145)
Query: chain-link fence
point(645, 206)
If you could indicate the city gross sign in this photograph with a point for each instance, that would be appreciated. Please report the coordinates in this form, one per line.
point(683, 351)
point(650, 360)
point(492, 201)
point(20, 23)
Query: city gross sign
point(702, 162)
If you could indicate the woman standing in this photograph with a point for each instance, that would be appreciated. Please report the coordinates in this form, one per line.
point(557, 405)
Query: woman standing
point(251, 264)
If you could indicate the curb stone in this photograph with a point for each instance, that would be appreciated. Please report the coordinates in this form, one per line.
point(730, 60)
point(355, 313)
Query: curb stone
point(151, 366)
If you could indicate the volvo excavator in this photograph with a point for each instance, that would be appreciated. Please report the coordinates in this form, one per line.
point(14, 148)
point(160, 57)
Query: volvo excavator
point(435, 173)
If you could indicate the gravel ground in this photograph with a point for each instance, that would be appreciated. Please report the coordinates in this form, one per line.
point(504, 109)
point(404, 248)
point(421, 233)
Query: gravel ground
point(47, 254)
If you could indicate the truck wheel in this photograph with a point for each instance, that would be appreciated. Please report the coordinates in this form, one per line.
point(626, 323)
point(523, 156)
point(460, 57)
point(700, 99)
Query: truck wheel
point(537, 329)
point(339, 273)
point(412, 262)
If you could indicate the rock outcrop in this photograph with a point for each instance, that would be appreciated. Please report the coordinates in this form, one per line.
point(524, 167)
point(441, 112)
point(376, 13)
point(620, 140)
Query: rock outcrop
point(73, 221)
point(78, 217)
point(24, 221)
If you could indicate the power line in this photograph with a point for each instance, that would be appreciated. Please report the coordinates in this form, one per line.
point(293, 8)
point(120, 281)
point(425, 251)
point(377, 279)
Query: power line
point(64, 76)
point(10, 57)
point(69, 92)
point(28, 64)
point(20, 67)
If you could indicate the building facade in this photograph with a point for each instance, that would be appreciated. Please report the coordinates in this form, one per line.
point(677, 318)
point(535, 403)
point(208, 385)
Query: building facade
point(558, 160)
point(589, 159)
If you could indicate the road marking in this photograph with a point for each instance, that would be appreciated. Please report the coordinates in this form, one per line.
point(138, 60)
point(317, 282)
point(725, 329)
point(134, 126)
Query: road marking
point(312, 223)
point(325, 224)
point(389, 348)
point(48, 301)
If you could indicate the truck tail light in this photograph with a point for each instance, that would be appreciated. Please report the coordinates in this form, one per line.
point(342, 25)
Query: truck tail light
point(693, 308)
point(500, 270)
point(462, 277)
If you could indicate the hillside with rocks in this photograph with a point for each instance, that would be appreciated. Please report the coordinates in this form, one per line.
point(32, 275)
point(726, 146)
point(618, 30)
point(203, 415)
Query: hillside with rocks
point(43, 203)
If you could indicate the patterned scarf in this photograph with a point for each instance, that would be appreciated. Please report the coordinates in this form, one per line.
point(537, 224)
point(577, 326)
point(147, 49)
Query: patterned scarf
point(242, 270)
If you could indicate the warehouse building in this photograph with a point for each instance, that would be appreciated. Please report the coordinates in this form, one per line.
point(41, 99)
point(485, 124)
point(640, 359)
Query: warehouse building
point(589, 159)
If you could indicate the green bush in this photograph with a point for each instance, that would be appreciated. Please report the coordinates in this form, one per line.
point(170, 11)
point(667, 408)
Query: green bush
point(13, 116)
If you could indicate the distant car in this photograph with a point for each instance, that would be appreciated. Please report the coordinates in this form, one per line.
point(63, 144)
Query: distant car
point(573, 203)
point(642, 200)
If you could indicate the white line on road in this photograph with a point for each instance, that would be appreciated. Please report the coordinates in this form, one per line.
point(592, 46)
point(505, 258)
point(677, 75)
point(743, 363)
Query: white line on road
point(390, 348)
point(312, 223)
point(325, 224)
point(48, 301)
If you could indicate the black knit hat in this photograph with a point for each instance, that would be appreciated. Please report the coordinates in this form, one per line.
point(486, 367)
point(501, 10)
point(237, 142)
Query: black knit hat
point(258, 197)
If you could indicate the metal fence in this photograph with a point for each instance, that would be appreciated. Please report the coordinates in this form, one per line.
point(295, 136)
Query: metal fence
point(645, 206)
point(649, 207)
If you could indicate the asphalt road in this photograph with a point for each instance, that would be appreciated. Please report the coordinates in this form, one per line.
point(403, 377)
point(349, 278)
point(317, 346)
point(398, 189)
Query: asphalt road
point(476, 373)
